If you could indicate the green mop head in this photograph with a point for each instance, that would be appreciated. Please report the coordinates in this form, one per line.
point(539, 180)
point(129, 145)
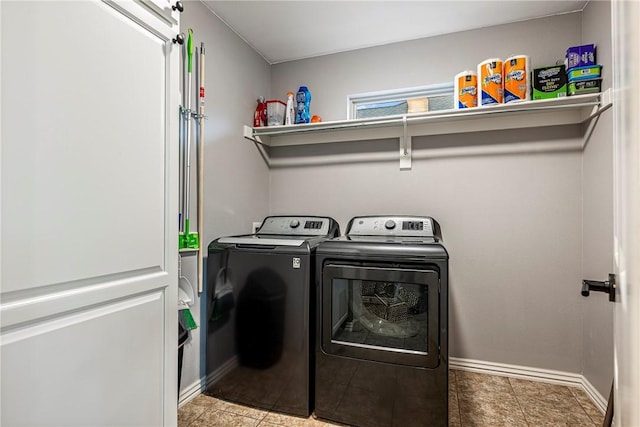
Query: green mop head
point(188, 240)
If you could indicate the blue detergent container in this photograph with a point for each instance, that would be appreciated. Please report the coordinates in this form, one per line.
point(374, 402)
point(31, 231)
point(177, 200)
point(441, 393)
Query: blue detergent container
point(303, 102)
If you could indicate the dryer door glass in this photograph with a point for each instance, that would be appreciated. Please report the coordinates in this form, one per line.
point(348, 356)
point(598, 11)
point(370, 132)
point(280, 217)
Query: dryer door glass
point(384, 314)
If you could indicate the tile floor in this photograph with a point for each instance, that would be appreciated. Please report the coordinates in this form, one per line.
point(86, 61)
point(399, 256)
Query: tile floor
point(474, 400)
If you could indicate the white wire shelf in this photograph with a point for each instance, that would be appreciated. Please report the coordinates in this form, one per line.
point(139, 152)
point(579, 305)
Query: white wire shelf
point(527, 114)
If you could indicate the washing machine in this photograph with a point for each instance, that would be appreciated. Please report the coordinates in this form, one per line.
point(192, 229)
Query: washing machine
point(381, 333)
point(261, 317)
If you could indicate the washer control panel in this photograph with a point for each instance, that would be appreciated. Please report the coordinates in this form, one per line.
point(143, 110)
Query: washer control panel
point(296, 225)
point(409, 226)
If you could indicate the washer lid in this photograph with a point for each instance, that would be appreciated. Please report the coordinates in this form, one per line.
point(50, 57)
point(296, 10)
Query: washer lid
point(300, 226)
point(256, 240)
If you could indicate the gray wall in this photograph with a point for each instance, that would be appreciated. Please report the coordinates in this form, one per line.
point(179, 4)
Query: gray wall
point(597, 206)
point(235, 178)
point(511, 222)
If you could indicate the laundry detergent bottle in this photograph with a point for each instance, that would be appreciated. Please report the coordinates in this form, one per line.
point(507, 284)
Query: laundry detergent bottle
point(303, 102)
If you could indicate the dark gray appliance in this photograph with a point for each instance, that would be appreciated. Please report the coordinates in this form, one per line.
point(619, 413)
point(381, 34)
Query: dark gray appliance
point(381, 334)
point(259, 348)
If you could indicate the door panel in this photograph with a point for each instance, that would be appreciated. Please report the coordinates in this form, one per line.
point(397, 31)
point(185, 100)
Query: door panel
point(55, 378)
point(82, 144)
point(88, 332)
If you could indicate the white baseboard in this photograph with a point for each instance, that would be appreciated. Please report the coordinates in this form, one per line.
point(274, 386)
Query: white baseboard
point(197, 387)
point(532, 374)
point(190, 393)
point(599, 400)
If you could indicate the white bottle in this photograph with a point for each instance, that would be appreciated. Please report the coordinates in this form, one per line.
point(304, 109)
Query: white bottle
point(290, 113)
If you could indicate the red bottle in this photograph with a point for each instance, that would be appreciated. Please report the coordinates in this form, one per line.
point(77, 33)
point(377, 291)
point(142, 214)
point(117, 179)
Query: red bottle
point(260, 116)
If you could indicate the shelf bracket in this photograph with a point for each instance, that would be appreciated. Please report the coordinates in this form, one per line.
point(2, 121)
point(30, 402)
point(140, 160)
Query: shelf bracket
point(405, 147)
point(606, 102)
point(248, 134)
point(591, 120)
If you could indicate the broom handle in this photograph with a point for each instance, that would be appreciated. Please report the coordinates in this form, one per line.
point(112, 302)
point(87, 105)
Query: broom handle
point(201, 170)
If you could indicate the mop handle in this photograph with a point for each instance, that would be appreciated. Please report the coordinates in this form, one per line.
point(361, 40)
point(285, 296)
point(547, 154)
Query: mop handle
point(188, 150)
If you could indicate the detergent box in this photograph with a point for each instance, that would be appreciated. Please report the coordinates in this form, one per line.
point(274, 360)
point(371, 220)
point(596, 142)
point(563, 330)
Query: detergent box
point(581, 56)
point(549, 82)
point(584, 86)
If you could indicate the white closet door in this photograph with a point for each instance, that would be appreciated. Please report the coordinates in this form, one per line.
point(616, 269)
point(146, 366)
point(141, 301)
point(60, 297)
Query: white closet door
point(626, 172)
point(89, 215)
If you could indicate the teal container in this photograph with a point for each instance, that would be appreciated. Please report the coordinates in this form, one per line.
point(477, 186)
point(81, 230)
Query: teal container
point(584, 73)
point(303, 104)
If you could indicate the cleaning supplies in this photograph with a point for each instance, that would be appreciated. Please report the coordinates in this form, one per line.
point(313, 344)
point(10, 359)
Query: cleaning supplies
point(516, 77)
point(290, 114)
point(466, 90)
point(275, 112)
point(187, 239)
point(589, 72)
point(549, 82)
point(260, 116)
point(580, 56)
point(490, 86)
point(189, 321)
point(185, 299)
point(303, 102)
point(582, 87)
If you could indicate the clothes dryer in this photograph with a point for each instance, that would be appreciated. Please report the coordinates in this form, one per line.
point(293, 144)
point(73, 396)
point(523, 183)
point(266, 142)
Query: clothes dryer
point(260, 314)
point(382, 330)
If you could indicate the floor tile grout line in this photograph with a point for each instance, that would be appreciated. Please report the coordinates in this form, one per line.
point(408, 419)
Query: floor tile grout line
point(223, 409)
point(515, 395)
point(455, 374)
point(573, 396)
point(582, 406)
point(196, 418)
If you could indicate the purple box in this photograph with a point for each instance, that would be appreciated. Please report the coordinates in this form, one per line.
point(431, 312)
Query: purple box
point(581, 56)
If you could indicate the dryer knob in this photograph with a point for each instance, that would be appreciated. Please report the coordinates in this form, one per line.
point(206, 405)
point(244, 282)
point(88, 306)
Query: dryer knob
point(390, 224)
point(295, 223)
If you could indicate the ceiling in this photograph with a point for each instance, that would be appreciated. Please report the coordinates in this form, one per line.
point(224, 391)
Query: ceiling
point(288, 30)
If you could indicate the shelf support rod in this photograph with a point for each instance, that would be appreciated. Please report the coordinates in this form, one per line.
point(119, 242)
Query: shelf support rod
point(405, 146)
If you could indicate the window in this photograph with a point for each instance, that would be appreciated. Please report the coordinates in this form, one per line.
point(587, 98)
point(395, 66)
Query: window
point(400, 101)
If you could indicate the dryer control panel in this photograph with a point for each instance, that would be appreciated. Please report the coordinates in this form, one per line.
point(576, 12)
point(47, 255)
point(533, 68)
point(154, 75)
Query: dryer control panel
point(298, 226)
point(408, 226)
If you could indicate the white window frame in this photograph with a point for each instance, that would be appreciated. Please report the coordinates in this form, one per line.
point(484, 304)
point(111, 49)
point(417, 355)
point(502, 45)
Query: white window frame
point(396, 95)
